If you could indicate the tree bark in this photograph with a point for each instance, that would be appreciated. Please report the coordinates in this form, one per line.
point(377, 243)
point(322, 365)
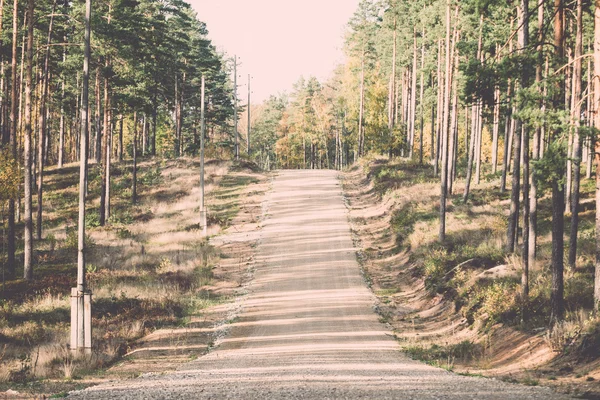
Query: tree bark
point(28, 232)
point(11, 234)
point(444, 172)
point(134, 172)
point(98, 152)
point(532, 249)
point(102, 217)
point(83, 179)
point(495, 130)
point(440, 99)
point(413, 98)
point(42, 127)
point(421, 108)
point(523, 44)
point(576, 115)
point(558, 191)
point(393, 95)
point(361, 106)
point(121, 137)
point(596, 109)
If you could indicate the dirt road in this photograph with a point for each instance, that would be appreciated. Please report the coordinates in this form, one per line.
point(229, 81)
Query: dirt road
point(307, 328)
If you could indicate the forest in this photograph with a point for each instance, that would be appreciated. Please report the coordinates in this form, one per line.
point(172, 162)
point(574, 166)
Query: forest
point(479, 90)
point(479, 109)
point(148, 58)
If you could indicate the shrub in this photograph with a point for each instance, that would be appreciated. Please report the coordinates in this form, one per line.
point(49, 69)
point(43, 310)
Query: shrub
point(496, 302)
point(435, 269)
point(403, 223)
point(92, 220)
point(71, 242)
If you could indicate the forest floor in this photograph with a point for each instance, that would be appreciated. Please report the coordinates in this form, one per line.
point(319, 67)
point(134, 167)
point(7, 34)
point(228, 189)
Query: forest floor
point(162, 293)
point(456, 305)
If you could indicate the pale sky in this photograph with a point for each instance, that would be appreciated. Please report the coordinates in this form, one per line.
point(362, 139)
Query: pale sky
point(277, 41)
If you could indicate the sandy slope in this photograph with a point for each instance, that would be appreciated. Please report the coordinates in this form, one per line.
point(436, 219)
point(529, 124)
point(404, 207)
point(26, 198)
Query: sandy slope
point(307, 329)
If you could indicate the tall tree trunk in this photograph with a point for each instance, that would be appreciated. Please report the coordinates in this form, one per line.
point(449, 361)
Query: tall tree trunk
point(471, 156)
point(453, 134)
point(597, 147)
point(11, 234)
point(154, 115)
point(109, 134)
point(558, 191)
point(27, 183)
point(478, 137)
point(413, 98)
point(576, 112)
point(62, 128)
point(474, 148)
point(495, 130)
point(421, 107)
point(102, 217)
point(135, 146)
point(523, 44)
point(393, 94)
point(508, 121)
point(532, 249)
point(202, 134)
point(361, 106)
point(145, 126)
point(432, 132)
point(42, 127)
point(5, 131)
point(177, 119)
point(121, 137)
point(589, 159)
point(440, 108)
point(98, 152)
point(452, 128)
point(83, 180)
point(444, 172)
point(479, 107)
point(509, 124)
point(513, 219)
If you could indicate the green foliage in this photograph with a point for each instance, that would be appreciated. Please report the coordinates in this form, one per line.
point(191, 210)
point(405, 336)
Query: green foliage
point(71, 241)
point(122, 216)
point(9, 176)
point(152, 176)
point(92, 220)
point(496, 302)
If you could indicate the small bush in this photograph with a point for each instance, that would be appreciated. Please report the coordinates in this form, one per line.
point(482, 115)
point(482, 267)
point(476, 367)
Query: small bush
point(204, 275)
point(403, 222)
point(152, 177)
point(497, 302)
point(120, 216)
point(71, 242)
point(92, 220)
point(124, 233)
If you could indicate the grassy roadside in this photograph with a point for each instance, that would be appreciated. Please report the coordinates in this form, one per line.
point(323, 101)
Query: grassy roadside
point(150, 271)
point(457, 305)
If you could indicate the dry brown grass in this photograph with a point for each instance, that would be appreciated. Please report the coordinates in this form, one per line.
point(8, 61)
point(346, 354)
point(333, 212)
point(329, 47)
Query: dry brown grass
point(423, 317)
point(150, 267)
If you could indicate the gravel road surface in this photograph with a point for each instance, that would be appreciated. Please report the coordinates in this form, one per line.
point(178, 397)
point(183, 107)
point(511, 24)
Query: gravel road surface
point(307, 328)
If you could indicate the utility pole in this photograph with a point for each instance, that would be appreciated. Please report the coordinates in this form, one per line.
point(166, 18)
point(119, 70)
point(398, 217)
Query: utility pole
point(235, 120)
point(81, 310)
point(202, 133)
point(248, 133)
